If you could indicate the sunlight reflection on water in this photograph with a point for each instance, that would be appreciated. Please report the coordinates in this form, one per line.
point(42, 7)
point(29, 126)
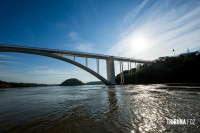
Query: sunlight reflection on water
point(129, 108)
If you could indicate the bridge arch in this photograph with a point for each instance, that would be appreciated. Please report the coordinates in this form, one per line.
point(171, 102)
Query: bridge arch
point(52, 55)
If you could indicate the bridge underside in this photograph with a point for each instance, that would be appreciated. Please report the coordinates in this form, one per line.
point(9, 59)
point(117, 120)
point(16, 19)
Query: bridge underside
point(110, 62)
point(58, 54)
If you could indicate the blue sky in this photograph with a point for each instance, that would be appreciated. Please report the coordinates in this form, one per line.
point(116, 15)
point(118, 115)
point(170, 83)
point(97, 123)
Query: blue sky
point(139, 29)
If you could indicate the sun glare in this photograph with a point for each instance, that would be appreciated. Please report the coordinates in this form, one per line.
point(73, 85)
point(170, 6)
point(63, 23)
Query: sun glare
point(138, 43)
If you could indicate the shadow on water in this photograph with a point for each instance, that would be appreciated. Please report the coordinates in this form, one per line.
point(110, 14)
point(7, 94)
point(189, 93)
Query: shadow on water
point(120, 114)
point(112, 102)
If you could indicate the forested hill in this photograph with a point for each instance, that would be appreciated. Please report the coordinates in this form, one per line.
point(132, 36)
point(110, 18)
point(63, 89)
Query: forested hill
point(184, 68)
point(71, 82)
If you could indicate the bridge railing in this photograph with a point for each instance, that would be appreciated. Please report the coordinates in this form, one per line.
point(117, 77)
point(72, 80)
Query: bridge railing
point(78, 54)
point(57, 51)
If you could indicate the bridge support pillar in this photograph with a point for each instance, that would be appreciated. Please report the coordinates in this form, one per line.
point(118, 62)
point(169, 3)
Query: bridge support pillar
point(111, 70)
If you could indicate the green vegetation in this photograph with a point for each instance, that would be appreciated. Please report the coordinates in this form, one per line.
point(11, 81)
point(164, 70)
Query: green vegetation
point(71, 82)
point(4, 84)
point(182, 69)
point(68, 82)
point(16, 85)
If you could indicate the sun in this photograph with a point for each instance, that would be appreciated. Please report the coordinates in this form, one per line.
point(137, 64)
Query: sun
point(138, 43)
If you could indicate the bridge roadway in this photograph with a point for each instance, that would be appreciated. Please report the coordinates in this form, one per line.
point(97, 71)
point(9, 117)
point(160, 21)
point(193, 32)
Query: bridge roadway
point(59, 54)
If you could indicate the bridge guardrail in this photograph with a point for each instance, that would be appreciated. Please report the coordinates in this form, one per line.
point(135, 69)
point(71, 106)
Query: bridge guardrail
point(81, 54)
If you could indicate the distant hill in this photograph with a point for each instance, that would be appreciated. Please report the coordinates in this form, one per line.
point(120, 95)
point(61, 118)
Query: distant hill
point(71, 82)
point(94, 83)
point(184, 68)
point(4, 84)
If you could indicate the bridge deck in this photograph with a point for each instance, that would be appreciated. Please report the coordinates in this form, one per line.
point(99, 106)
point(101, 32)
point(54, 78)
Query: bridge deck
point(74, 53)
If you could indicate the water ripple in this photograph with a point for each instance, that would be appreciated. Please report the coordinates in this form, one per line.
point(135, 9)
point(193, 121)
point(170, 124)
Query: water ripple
point(89, 109)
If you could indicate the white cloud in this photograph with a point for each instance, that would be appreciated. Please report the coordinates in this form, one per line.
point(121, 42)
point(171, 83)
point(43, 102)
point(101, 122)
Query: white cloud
point(163, 27)
point(47, 71)
point(45, 75)
point(73, 36)
point(61, 74)
point(135, 11)
point(85, 47)
point(8, 59)
point(80, 44)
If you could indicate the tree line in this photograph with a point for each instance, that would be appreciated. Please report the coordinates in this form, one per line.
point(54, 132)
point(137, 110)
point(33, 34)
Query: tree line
point(184, 68)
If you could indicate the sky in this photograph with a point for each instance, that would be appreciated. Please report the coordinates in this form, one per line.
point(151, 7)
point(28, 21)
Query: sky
point(141, 29)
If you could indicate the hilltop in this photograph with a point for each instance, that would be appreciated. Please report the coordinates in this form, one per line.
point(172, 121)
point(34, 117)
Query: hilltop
point(71, 82)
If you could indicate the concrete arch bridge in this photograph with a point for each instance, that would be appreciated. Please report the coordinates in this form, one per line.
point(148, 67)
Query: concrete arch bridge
point(60, 55)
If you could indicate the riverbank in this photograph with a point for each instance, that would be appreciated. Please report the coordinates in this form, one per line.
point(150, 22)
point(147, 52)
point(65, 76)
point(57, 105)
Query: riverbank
point(183, 84)
point(4, 84)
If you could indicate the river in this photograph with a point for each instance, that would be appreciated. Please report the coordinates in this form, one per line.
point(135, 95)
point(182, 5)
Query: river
point(99, 109)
